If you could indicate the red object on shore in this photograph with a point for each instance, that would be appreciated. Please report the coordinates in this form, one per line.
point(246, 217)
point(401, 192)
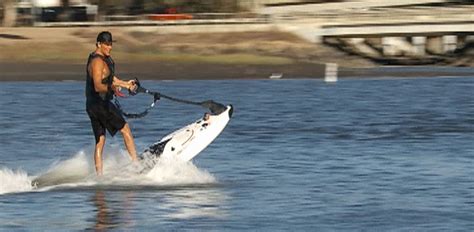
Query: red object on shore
point(169, 16)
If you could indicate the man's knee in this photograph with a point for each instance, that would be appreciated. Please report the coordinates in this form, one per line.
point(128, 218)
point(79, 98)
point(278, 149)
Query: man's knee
point(125, 129)
point(100, 140)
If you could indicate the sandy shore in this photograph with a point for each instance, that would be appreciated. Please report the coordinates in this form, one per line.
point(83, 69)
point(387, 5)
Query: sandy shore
point(159, 71)
point(37, 54)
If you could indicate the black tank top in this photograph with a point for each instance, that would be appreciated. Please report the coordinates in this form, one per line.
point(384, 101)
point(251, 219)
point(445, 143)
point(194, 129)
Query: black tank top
point(91, 95)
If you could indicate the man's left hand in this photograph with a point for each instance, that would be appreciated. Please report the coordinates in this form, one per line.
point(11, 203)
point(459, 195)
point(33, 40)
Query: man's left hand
point(132, 85)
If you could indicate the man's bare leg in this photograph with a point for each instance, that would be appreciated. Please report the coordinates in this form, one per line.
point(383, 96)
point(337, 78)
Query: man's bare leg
point(129, 143)
point(99, 147)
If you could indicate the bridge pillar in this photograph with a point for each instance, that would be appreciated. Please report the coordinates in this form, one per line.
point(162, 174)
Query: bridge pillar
point(419, 44)
point(435, 45)
point(396, 46)
point(388, 45)
point(450, 43)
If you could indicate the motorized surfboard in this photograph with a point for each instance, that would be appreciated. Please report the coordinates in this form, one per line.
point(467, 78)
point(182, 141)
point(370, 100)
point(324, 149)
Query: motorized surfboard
point(187, 142)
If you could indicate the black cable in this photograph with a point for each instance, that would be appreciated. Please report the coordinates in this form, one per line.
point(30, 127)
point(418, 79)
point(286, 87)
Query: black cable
point(214, 107)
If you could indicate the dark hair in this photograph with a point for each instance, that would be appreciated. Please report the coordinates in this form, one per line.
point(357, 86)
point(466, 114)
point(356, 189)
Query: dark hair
point(105, 37)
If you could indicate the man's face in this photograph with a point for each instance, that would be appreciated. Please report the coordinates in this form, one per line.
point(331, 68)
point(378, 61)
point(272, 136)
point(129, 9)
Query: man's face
point(105, 48)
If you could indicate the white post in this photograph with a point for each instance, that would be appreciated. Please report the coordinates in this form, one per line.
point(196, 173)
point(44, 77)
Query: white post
point(276, 76)
point(331, 72)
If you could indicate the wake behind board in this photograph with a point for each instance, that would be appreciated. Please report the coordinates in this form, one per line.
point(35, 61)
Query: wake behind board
point(187, 142)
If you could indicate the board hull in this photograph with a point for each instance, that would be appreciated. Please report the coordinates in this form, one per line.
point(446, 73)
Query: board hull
point(187, 142)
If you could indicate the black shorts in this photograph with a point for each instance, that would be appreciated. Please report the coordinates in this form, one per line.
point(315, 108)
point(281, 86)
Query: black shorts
point(105, 116)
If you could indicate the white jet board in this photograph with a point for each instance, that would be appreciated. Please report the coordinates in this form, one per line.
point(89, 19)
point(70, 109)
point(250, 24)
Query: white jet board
point(186, 143)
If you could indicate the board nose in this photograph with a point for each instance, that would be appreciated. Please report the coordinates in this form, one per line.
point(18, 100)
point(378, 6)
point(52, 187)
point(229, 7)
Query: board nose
point(231, 111)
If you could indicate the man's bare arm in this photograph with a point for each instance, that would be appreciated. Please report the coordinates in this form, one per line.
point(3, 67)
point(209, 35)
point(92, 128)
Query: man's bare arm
point(97, 71)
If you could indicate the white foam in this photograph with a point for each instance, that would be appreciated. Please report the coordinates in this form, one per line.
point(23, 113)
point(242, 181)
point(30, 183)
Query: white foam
point(78, 166)
point(14, 181)
point(173, 171)
point(79, 170)
point(120, 171)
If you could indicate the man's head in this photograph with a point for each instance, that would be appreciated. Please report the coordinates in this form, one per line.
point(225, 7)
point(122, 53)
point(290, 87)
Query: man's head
point(104, 42)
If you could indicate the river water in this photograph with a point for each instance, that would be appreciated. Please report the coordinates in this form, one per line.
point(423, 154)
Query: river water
point(298, 155)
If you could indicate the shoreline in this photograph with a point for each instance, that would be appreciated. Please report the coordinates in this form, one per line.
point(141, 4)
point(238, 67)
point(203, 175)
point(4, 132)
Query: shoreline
point(158, 71)
point(205, 71)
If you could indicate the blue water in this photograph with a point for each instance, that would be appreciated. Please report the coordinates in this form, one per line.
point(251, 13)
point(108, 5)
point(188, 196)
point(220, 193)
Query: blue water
point(298, 155)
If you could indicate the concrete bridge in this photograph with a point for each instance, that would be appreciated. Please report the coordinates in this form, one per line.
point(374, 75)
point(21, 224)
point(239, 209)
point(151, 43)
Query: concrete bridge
point(394, 40)
point(405, 34)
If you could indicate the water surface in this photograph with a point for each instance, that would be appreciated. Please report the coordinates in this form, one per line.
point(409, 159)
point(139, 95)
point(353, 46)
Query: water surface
point(357, 155)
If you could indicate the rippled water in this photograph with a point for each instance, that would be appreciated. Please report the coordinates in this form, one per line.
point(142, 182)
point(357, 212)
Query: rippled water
point(357, 155)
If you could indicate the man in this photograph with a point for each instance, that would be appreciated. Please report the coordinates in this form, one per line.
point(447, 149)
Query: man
point(101, 86)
